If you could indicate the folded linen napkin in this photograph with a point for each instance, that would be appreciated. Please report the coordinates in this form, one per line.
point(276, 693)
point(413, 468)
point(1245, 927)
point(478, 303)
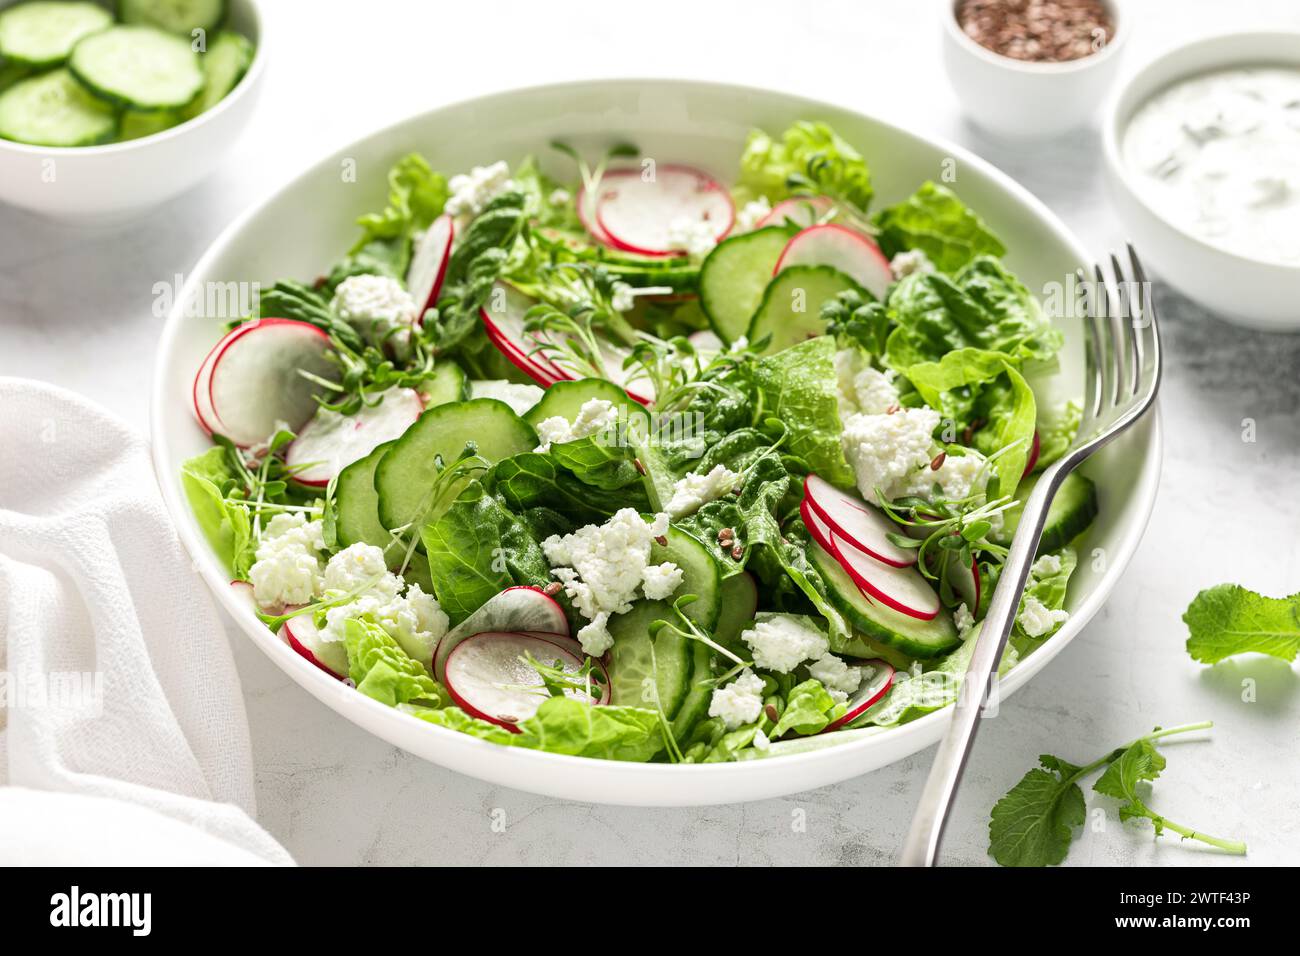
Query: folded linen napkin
point(116, 681)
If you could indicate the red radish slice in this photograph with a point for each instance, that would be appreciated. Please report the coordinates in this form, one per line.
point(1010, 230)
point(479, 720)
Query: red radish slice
point(514, 609)
point(966, 582)
point(585, 206)
point(304, 637)
point(517, 358)
point(489, 679)
point(245, 591)
point(255, 381)
point(200, 392)
point(638, 215)
point(841, 248)
point(503, 317)
point(903, 589)
point(801, 211)
point(874, 686)
point(1034, 449)
point(330, 441)
point(857, 522)
point(599, 683)
point(429, 264)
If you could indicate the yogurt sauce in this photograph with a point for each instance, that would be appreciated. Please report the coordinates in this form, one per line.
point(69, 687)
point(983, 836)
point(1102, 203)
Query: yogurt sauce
point(1219, 156)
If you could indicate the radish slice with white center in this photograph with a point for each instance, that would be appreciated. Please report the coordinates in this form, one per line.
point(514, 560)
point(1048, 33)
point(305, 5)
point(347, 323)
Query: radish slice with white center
point(965, 580)
point(255, 379)
point(244, 590)
point(489, 678)
point(840, 248)
point(801, 211)
point(514, 609)
point(585, 206)
point(200, 392)
point(873, 687)
point(857, 522)
point(903, 589)
point(640, 215)
point(503, 318)
point(1034, 450)
point(600, 675)
point(331, 441)
point(429, 264)
point(304, 637)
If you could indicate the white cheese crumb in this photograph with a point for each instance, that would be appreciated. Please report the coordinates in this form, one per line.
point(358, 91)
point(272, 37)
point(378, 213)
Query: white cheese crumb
point(520, 397)
point(595, 416)
point(740, 702)
point(964, 620)
point(559, 197)
point(885, 451)
point(595, 637)
point(697, 237)
point(782, 642)
point(660, 580)
point(909, 261)
point(1037, 619)
point(288, 566)
point(471, 192)
point(835, 675)
point(365, 299)
point(1046, 566)
point(695, 490)
point(752, 213)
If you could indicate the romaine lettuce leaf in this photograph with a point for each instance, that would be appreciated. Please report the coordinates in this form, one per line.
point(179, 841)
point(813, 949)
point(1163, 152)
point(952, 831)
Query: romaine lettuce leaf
point(453, 718)
point(383, 671)
point(228, 527)
point(808, 158)
point(935, 221)
point(416, 195)
point(563, 725)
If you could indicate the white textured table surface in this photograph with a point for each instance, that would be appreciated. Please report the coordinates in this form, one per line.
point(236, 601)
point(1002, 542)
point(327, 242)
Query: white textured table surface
point(75, 309)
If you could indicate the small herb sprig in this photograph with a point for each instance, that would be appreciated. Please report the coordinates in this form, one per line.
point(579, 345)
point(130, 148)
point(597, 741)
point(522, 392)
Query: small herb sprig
point(1032, 825)
point(589, 679)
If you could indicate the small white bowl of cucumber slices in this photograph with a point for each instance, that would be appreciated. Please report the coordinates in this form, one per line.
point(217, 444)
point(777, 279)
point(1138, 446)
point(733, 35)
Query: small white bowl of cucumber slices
point(109, 109)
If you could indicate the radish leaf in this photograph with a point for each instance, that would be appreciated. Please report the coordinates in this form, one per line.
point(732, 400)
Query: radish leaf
point(1229, 619)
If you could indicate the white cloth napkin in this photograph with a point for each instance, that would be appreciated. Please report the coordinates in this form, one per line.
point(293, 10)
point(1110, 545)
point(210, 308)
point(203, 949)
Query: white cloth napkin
point(118, 684)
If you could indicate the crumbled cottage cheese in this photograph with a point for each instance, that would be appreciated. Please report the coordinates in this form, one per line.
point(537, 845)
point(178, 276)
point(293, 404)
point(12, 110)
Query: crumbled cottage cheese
point(887, 450)
point(752, 213)
point(1037, 619)
point(959, 476)
point(740, 702)
point(863, 388)
point(1046, 566)
point(288, 566)
point(368, 299)
point(602, 567)
point(471, 192)
point(595, 416)
point(695, 236)
point(695, 490)
point(559, 197)
point(782, 642)
point(518, 396)
point(909, 261)
point(413, 619)
point(964, 620)
point(837, 677)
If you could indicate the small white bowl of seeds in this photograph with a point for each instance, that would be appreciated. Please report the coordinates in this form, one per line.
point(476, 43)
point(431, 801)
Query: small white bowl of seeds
point(1031, 69)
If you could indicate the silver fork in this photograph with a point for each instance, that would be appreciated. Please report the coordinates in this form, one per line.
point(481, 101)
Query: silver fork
point(1122, 378)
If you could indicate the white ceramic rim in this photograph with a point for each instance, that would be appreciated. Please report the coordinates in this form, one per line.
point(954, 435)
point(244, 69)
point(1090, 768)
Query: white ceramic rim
point(246, 83)
point(389, 723)
point(1113, 122)
point(1038, 67)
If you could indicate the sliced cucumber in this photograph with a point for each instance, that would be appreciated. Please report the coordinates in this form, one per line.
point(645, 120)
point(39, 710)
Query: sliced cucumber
point(696, 703)
point(404, 476)
point(630, 660)
point(141, 68)
point(565, 400)
point(739, 602)
point(53, 109)
point(138, 125)
point(791, 310)
point(42, 33)
point(11, 73)
point(1071, 512)
point(174, 16)
point(225, 62)
point(356, 506)
point(734, 276)
point(448, 384)
point(909, 634)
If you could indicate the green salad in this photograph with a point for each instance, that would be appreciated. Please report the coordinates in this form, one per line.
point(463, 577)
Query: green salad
point(73, 75)
point(632, 463)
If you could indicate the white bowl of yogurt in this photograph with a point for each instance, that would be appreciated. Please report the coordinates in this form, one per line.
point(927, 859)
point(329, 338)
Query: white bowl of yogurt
point(1202, 152)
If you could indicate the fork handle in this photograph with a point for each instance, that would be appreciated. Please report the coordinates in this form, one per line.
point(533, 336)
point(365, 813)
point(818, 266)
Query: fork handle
point(922, 845)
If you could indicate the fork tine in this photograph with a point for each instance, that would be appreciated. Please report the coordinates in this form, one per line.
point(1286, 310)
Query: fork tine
point(1129, 319)
point(1091, 352)
point(1151, 332)
point(1112, 360)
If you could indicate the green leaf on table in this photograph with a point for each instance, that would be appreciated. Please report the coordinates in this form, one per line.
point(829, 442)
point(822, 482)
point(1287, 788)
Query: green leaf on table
point(1032, 825)
point(1228, 619)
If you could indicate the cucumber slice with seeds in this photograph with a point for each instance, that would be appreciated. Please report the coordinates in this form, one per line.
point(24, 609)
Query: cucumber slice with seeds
point(54, 110)
point(139, 125)
point(42, 33)
point(734, 276)
point(224, 64)
point(791, 310)
point(174, 16)
point(140, 68)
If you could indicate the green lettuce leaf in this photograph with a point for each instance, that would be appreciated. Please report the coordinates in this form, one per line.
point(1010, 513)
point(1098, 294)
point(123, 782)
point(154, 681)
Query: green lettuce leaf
point(911, 696)
point(797, 387)
point(453, 718)
point(935, 221)
point(532, 480)
point(383, 671)
point(1056, 430)
point(808, 158)
point(1228, 619)
point(416, 195)
point(563, 725)
point(807, 710)
point(228, 527)
point(476, 262)
point(1050, 590)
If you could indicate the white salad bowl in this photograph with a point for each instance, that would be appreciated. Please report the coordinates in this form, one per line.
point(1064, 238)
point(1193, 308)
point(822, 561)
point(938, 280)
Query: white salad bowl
point(1262, 295)
point(310, 222)
point(111, 183)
